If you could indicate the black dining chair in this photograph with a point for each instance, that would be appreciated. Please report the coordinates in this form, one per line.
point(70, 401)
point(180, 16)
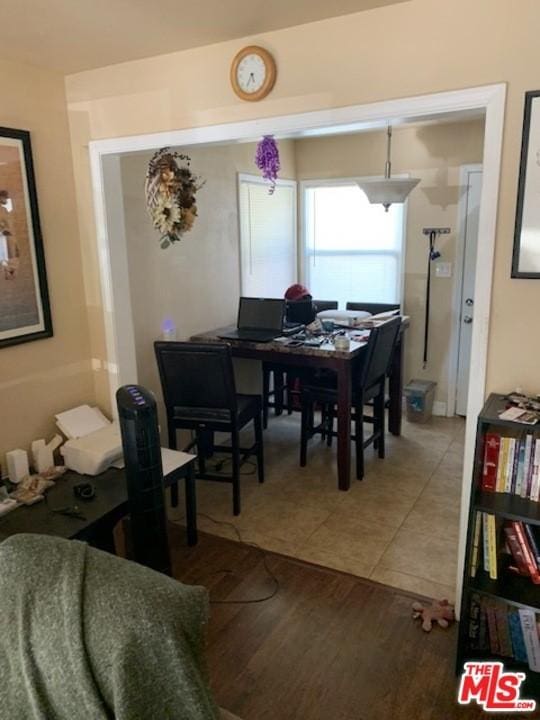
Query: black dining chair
point(368, 385)
point(200, 395)
point(281, 384)
point(373, 308)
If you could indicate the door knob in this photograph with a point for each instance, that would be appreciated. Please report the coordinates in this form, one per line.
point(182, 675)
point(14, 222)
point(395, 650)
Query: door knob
point(469, 302)
point(467, 319)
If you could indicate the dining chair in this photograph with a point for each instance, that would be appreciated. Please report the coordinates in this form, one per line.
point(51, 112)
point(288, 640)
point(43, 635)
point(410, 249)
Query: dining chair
point(200, 395)
point(281, 384)
point(368, 385)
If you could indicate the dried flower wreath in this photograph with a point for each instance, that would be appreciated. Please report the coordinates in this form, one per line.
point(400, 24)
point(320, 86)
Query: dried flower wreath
point(170, 194)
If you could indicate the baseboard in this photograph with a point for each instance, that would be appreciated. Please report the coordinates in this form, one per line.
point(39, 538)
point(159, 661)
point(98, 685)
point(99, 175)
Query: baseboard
point(439, 408)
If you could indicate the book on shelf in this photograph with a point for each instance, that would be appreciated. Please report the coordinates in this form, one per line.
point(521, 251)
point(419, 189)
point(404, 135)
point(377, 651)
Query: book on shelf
point(503, 630)
point(512, 465)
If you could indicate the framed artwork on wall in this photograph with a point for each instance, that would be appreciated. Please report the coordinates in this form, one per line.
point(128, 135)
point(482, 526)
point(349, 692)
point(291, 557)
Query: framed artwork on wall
point(25, 313)
point(526, 254)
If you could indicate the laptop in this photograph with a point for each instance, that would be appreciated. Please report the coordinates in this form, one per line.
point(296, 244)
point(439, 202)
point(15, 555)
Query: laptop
point(259, 320)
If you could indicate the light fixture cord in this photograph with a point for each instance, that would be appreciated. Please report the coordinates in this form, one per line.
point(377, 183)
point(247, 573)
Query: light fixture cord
point(388, 166)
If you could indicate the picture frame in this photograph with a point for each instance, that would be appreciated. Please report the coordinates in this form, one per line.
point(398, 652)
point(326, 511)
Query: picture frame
point(526, 251)
point(25, 313)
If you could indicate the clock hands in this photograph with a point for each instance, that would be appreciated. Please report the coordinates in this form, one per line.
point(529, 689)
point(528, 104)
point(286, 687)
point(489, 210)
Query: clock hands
point(251, 77)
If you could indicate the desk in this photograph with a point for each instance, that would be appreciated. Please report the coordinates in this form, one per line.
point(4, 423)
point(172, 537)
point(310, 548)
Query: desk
point(326, 356)
point(102, 513)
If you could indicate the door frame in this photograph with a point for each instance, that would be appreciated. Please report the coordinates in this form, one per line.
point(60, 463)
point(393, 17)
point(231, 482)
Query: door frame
point(453, 356)
point(112, 243)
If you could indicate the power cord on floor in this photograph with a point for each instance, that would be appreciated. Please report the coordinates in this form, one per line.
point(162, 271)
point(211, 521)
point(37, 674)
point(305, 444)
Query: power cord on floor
point(220, 464)
point(265, 563)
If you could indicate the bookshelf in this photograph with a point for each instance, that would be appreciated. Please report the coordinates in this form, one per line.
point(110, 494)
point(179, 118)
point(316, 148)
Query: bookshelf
point(508, 592)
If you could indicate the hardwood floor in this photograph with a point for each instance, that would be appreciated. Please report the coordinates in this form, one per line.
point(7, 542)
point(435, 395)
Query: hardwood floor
point(328, 646)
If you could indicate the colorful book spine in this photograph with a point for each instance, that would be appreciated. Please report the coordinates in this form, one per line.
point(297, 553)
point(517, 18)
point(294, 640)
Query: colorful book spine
point(533, 543)
point(501, 465)
point(515, 549)
point(532, 569)
point(485, 542)
point(535, 481)
point(520, 467)
point(510, 465)
point(515, 468)
point(492, 628)
point(527, 466)
point(503, 632)
point(516, 634)
point(476, 544)
point(491, 460)
point(530, 635)
point(492, 546)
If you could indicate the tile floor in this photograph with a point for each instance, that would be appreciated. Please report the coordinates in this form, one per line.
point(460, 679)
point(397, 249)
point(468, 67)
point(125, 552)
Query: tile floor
point(399, 526)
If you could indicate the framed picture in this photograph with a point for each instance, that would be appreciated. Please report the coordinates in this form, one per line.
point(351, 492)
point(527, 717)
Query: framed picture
point(526, 255)
point(25, 313)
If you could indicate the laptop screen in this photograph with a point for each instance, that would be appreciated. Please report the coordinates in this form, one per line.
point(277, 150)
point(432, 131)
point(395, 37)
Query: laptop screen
point(260, 314)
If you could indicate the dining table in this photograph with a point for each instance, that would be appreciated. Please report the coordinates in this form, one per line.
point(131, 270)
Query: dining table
point(326, 356)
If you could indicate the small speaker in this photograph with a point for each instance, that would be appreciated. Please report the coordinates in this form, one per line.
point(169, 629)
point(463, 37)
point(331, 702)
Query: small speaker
point(144, 475)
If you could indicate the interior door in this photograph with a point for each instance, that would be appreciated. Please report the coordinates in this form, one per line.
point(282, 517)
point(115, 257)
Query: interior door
point(472, 212)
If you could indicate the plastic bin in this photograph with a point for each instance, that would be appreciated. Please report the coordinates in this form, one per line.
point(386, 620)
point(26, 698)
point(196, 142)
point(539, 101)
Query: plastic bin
point(419, 395)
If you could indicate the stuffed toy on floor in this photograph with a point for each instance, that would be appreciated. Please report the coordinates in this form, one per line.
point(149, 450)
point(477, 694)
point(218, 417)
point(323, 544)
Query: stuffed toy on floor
point(440, 611)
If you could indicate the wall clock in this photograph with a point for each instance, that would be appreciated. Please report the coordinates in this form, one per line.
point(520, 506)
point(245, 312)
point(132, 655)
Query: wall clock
point(253, 73)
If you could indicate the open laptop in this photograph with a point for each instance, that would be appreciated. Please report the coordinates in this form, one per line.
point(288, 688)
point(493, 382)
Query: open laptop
point(259, 320)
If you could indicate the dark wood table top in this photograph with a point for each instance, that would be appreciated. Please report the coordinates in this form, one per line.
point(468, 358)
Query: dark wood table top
point(109, 505)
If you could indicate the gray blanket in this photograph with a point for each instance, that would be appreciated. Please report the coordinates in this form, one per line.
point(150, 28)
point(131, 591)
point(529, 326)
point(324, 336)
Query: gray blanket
point(86, 635)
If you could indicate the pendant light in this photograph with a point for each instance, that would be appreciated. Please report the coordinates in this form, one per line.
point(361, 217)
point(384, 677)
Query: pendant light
point(390, 190)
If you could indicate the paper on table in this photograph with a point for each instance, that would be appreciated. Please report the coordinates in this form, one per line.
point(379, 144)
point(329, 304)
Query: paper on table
point(81, 421)
point(171, 460)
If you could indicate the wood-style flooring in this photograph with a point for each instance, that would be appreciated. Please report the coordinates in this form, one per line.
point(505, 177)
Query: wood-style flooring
point(328, 646)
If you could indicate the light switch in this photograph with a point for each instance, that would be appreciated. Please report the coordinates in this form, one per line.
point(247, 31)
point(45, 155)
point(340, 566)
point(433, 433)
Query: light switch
point(443, 270)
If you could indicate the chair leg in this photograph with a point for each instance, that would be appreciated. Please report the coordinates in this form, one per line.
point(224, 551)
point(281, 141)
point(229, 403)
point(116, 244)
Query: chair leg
point(201, 458)
point(265, 395)
point(290, 389)
point(236, 471)
point(171, 430)
point(329, 425)
point(359, 433)
point(174, 494)
point(379, 409)
point(304, 431)
point(279, 391)
point(260, 448)
point(324, 420)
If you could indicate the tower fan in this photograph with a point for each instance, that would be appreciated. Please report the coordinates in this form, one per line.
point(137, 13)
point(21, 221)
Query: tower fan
point(144, 474)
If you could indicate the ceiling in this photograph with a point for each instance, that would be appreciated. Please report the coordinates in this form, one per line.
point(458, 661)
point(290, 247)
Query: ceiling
point(73, 35)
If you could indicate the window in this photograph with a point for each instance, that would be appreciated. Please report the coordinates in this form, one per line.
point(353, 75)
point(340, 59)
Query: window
point(352, 250)
point(268, 250)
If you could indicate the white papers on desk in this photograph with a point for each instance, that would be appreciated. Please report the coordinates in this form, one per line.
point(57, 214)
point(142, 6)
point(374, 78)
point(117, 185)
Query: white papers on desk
point(171, 460)
point(81, 421)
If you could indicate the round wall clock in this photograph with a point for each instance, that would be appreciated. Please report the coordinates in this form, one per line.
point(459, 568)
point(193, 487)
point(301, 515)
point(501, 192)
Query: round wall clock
point(253, 73)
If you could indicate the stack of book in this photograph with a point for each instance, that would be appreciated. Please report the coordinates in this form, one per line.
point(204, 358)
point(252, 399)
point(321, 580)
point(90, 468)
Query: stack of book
point(512, 465)
point(518, 540)
point(498, 628)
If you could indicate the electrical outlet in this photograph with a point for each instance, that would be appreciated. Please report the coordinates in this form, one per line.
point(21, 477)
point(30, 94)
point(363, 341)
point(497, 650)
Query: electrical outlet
point(443, 270)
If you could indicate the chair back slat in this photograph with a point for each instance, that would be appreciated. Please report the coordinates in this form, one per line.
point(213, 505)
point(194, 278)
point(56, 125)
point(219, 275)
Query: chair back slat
point(196, 375)
point(373, 308)
point(379, 353)
point(321, 305)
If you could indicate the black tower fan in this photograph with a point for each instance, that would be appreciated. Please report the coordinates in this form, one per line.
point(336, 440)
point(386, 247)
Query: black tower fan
point(144, 474)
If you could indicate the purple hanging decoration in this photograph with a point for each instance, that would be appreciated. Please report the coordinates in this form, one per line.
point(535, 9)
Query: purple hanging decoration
point(267, 160)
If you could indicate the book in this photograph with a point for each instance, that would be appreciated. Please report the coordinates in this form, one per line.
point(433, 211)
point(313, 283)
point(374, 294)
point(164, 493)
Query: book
point(515, 467)
point(527, 465)
point(535, 480)
point(530, 636)
point(475, 613)
point(520, 467)
point(516, 635)
point(491, 460)
point(492, 628)
point(515, 550)
point(509, 465)
point(533, 543)
point(475, 560)
point(485, 542)
point(503, 632)
point(501, 464)
point(532, 568)
point(492, 545)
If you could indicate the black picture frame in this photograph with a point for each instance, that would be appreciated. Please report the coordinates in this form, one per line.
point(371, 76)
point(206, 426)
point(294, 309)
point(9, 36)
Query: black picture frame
point(531, 108)
point(24, 289)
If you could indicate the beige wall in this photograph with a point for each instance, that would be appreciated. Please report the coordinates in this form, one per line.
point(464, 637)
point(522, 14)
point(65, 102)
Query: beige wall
point(417, 47)
point(196, 283)
point(40, 378)
point(433, 153)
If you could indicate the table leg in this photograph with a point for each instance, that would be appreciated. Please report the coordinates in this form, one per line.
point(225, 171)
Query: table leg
point(395, 387)
point(344, 425)
point(191, 507)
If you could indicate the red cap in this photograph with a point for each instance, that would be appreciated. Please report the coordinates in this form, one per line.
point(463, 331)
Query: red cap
point(297, 292)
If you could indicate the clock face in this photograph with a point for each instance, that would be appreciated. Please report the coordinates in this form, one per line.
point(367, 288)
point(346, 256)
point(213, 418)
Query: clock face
point(253, 73)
